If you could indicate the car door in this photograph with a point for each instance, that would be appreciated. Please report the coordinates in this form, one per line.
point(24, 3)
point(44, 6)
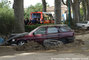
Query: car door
point(52, 33)
point(40, 34)
point(65, 31)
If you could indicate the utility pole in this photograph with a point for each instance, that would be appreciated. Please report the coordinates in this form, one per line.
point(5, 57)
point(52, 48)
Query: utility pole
point(69, 11)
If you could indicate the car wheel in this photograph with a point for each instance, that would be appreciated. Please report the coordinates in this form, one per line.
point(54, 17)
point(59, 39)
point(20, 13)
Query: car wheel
point(84, 27)
point(52, 43)
point(59, 43)
point(70, 39)
point(20, 43)
point(64, 40)
point(87, 28)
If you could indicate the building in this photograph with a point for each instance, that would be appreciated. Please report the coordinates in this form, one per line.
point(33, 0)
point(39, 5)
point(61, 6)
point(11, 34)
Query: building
point(64, 9)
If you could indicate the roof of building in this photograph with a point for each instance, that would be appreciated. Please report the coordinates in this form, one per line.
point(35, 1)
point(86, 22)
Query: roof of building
point(63, 7)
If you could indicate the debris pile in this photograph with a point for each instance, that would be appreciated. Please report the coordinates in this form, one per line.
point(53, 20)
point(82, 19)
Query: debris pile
point(34, 46)
point(30, 46)
point(81, 31)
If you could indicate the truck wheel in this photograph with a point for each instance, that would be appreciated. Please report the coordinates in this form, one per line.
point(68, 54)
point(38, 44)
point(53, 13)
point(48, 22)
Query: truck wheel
point(20, 43)
point(52, 43)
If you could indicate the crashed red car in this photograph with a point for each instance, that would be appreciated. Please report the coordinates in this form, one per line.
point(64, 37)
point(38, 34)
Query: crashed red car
point(43, 33)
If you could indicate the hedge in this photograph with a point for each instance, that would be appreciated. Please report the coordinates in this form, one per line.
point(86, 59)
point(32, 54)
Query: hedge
point(6, 21)
point(29, 28)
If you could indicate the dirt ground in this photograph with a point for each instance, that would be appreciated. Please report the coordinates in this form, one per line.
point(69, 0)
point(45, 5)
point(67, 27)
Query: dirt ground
point(81, 45)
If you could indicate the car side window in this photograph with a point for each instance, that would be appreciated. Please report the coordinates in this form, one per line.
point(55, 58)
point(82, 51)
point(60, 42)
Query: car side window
point(52, 30)
point(64, 29)
point(40, 31)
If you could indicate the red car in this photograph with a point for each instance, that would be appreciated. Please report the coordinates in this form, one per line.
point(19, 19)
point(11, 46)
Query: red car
point(42, 34)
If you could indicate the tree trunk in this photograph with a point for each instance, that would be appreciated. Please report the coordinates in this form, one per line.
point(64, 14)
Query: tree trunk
point(44, 5)
point(84, 10)
point(75, 8)
point(19, 16)
point(88, 10)
point(68, 4)
point(57, 11)
point(78, 11)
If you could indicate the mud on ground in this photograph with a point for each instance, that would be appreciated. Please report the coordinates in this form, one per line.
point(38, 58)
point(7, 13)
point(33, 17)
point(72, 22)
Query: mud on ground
point(81, 45)
point(33, 46)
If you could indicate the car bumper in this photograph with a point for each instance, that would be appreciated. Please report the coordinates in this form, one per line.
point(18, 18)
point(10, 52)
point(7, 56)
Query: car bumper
point(71, 39)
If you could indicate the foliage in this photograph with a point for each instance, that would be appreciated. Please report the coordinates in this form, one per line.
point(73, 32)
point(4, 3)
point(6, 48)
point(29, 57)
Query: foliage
point(81, 11)
point(81, 14)
point(6, 18)
point(4, 4)
point(6, 21)
point(29, 28)
point(37, 7)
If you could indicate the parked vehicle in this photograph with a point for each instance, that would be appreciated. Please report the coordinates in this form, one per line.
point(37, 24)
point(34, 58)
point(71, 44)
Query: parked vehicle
point(45, 34)
point(83, 25)
point(42, 17)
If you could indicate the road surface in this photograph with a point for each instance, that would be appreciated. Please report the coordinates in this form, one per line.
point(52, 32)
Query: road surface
point(45, 56)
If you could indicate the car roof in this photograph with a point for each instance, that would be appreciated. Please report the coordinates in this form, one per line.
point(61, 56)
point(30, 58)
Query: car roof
point(53, 25)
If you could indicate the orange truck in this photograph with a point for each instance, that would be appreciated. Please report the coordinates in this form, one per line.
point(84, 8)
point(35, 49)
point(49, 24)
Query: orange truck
point(42, 17)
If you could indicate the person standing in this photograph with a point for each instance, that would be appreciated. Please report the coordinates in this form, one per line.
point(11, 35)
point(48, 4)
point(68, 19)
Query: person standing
point(26, 21)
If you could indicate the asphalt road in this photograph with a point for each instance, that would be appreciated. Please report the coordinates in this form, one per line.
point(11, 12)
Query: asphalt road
point(46, 56)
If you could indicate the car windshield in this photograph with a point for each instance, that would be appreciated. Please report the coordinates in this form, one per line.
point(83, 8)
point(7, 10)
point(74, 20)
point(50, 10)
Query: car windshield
point(36, 15)
point(84, 22)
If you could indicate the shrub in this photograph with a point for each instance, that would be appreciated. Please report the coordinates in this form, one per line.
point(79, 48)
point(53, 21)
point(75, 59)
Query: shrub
point(29, 28)
point(6, 21)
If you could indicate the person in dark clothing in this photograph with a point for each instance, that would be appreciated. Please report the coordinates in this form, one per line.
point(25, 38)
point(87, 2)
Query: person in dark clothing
point(26, 21)
point(38, 21)
point(34, 21)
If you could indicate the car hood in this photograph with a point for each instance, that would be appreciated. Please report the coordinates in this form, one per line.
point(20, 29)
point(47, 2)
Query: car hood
point(12, 36)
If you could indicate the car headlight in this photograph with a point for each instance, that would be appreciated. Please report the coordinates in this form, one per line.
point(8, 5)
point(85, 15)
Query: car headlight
point(13, 40)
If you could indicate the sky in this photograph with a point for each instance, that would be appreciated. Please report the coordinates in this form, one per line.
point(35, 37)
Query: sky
point(33, 2)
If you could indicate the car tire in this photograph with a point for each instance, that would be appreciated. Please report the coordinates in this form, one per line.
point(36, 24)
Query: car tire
point(21, 42)
point(83, 26)
point(50, 43)
point(64, 40)
point(87, 28)
point(70, 39)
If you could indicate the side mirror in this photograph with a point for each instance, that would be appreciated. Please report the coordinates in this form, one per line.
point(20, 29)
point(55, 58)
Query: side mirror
point(33, 33)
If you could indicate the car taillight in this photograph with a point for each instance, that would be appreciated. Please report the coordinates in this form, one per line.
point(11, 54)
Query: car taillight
point(73, 34)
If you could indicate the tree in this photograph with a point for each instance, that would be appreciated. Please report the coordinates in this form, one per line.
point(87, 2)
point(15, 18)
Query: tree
point(44, 5)
point(87, 1)
point(19, 16)
point(57, 11)
point(37, 7)
point(6, 18)
point(76, 11)
point(67, 4)
point(4, 4)
point(84, 7)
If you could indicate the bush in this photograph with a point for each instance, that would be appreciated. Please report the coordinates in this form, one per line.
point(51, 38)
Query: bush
point(29, 28)
point(6, 21)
